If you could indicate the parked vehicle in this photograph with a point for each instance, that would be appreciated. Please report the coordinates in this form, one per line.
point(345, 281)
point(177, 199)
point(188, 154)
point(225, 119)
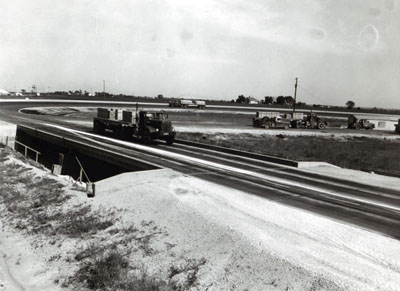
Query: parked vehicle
point(185, 103)
point(146, 125)
point(277, 122)
point(200, 104)
point(355, 123)
point(308, 120)
point(271, 120)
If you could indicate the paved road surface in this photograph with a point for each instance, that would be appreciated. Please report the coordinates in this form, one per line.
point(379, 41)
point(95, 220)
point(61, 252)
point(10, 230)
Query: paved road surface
point(374, 208)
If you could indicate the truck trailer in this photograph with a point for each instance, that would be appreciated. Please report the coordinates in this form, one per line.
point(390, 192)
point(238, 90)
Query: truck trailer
point(307, 120)
point(145, 125)
point(185, 103)
point(271, 120)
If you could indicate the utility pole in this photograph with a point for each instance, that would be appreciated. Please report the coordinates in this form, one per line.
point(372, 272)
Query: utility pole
point(104, 87)
point(295, 93)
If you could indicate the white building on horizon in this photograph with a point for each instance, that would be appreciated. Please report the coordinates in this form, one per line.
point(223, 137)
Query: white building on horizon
point(4, 92)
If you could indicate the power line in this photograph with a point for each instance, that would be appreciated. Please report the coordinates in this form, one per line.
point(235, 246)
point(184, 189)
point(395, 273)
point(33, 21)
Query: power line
point(309, 92)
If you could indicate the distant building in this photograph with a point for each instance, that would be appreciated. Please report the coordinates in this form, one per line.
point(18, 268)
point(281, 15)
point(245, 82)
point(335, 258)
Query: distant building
point(4, 92)
point(253, 100)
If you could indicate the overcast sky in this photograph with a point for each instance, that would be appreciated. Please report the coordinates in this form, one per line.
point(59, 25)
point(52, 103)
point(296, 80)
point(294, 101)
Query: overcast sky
point(217, 49)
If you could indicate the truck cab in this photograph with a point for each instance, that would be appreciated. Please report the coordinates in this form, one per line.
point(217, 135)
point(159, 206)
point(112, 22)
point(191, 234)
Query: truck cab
point(155, 125)
point(362, 123)
point(145, 125)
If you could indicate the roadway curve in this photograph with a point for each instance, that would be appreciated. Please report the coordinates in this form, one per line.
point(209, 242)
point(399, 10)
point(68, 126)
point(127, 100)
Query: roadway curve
point(370, 207)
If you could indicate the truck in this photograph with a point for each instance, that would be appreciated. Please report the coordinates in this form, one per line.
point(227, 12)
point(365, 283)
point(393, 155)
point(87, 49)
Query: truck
point(307, 120)
point(271, 120)
point(201, 104)
point(185, 103)
point(359, 123)
point(127, 124)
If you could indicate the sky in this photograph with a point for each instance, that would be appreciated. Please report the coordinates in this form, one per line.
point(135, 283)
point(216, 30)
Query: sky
point(339, 50)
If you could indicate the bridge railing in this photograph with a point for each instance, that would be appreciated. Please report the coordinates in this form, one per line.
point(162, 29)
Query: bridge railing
point(26, 148)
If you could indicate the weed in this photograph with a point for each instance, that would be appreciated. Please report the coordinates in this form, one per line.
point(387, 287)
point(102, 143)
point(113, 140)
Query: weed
point(105, 268)
point(80, 222)
point(189, 268)
point(103, 271)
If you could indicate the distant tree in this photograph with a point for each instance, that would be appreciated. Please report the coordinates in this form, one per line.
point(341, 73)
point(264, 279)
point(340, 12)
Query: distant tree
point(60, 93)
point(102, 94)
point(300, 104)
point(350, 104)
point(268, 100)
point(160, 96)
point(289, 100)
point(280, 100)
point(232, 101)
point(241, 99)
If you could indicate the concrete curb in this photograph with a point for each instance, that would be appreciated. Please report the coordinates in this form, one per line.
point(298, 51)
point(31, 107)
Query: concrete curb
point(241, 153)
point(315, 164)
point(281, 161)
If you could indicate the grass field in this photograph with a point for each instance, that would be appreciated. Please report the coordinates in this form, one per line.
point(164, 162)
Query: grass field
point(358, 153)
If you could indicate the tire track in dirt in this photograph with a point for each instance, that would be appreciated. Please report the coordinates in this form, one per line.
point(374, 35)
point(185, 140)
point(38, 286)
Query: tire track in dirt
point(9, 282)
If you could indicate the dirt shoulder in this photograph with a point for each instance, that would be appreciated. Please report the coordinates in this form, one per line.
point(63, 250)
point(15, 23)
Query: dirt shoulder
point(161, 230)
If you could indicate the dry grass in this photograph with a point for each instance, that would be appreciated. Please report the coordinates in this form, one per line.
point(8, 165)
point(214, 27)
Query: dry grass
point(37, 205)
point(109, 268)
point(367, 154)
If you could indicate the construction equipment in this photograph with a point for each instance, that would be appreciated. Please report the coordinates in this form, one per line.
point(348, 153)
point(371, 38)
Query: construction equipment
point(185, 103)
point(307, 120)
point(271, 120)
point(355, 123)
point(146, 125)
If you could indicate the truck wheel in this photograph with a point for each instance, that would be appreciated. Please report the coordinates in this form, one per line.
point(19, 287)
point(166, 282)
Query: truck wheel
point(169, 140)
point(146, 137)
point(286, 127)
point(266, 126)
point(321, 125)
point(117, 132)
point(98, 128)
point(124, 133)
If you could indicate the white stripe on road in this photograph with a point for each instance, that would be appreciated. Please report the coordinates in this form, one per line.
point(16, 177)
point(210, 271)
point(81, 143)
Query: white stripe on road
point(225, 167)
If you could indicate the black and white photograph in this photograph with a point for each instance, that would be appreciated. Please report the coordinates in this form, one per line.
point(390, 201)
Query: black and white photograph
point(200, 145)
